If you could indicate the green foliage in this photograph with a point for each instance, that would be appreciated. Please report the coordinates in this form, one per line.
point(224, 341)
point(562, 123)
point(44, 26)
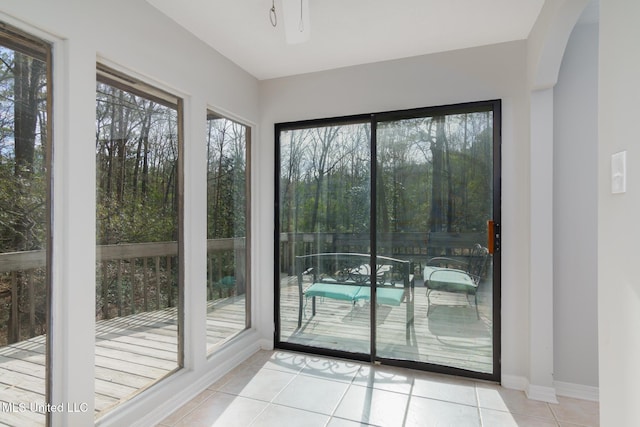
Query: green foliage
point(132, 223)
point(23, 191)
point(324, 176)
point(136, 147)
point(23, 184)
point(226, 179)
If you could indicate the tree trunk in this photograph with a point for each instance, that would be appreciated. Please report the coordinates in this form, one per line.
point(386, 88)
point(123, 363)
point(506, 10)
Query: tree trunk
point(435, 219)
point(449, 175)
point(381, 208)
point(145, 171)
point(27, 75)
point(142, 141)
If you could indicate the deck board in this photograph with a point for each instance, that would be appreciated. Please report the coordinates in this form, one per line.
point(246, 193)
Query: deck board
point(451, 335)
point(134, 352)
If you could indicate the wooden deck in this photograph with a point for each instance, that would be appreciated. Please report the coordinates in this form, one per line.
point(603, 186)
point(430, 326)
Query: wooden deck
point(452, 335)
point(134, 352)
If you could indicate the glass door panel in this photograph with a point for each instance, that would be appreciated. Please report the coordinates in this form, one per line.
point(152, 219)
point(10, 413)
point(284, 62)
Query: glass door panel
point(324, 236)
point(388, 238)
point(434, 198)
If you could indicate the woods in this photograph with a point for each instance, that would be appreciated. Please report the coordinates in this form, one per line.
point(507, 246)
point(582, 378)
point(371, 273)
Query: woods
point(136, 162)
point(226, 178)
point(23, 190)
point(433, 174)
point(137, 200)
point(23, 139)
point(227, 174)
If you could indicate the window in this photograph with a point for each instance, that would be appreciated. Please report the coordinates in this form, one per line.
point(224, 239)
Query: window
point(139, 237)
point(25, 215)
point(227, 229)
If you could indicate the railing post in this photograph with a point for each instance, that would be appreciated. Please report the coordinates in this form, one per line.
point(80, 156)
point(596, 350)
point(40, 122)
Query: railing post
point(132, 267)
point(157, 260)
point(210, 287)
point(14, 330)
point(220, 259)
point(145, 284)
point(105, 290)
point(169, 283)
point(32, 304)
point(239, 255)
point(119, 288)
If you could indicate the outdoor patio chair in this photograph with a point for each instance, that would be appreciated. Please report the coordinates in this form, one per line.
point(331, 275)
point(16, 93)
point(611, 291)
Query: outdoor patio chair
point(347, 277)
point(226, 283)
point(454, 275)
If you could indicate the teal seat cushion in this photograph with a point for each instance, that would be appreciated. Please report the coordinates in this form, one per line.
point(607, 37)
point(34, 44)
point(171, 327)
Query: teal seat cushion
point(333, 290)
point(388, 296)
point(449, 280)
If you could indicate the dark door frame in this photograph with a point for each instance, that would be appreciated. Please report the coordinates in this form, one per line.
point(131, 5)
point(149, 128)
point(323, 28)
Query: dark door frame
point(494, 106)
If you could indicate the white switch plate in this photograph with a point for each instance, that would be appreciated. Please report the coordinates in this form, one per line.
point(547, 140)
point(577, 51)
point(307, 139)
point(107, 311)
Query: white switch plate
point(619, 172)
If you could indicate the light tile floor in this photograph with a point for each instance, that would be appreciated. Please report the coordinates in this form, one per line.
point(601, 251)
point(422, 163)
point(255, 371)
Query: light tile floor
point(279, 388)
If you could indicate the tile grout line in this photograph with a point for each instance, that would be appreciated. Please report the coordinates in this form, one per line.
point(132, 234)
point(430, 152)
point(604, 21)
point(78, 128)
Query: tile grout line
point(193, 409)
point(553, 414)
point(272, 401)
point(269, 403)
point(346, 390)
point(410, 396)
point(477, 396)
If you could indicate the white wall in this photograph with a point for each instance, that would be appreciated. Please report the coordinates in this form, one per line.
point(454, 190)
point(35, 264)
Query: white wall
point(575, 211)
point(619, 214)
point(132, 36)
point(490, 72)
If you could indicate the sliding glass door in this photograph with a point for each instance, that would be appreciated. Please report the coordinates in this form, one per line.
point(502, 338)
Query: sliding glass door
point(435, 196)
point(324, 204)
point(388, 228)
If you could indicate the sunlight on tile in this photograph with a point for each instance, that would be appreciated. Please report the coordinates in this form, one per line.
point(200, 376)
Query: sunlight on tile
point(428, 412)
point(275, 415)
point(445, 388)
point(276, 388)
point(223, 410)
point(312, 394)
point(373, 406)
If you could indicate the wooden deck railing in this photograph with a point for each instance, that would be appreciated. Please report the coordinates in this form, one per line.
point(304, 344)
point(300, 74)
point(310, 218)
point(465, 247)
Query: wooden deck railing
point(130, 278)
point(135, 277)
point(141, 277)
point(411, 246)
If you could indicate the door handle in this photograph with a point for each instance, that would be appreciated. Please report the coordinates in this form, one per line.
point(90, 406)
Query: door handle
point(493, 236)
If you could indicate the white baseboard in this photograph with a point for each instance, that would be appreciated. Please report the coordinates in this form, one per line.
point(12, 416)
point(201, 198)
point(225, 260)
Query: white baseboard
point(266, 344)
point(577, 391)
point(514, 382)
point(532, 391)
point(549, 394)
point(541, 393)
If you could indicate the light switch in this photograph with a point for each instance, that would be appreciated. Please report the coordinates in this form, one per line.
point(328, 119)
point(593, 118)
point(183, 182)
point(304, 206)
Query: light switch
point(619, 172)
